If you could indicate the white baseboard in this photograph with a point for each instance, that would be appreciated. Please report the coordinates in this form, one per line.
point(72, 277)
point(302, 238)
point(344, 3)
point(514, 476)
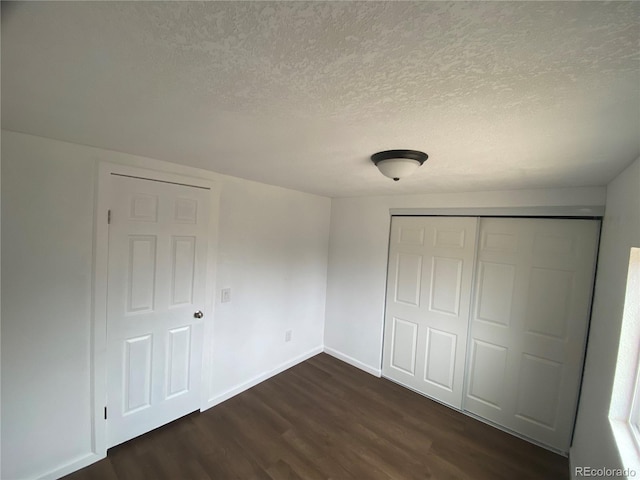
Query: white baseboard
point(261, 378)
point(72, 466)
point(352, 361)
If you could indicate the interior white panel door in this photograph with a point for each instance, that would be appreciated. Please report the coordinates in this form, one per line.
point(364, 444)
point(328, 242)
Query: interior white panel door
point(529, 321)
point(427, 309)
point(156, 283)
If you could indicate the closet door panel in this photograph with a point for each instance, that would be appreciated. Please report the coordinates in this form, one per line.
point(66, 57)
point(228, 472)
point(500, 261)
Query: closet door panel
point(532, 297)
point(427, 306)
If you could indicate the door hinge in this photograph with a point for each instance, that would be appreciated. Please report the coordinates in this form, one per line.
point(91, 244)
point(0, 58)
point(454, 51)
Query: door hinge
point(108, 217)
point(105, 413)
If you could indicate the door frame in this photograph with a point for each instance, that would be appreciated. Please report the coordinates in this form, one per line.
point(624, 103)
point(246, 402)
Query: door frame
point(100, 282)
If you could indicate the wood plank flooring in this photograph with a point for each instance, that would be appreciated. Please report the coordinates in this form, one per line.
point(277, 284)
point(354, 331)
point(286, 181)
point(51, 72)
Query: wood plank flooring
point(324, 419)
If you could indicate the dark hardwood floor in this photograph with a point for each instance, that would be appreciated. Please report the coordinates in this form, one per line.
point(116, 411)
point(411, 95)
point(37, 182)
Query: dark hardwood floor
point(324, 419)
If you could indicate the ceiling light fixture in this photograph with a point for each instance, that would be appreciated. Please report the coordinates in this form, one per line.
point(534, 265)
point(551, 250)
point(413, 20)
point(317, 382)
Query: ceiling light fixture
point(398, 164)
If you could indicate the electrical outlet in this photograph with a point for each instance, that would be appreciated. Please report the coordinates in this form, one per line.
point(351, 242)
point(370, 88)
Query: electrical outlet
point(287, 335)
point(225, 297)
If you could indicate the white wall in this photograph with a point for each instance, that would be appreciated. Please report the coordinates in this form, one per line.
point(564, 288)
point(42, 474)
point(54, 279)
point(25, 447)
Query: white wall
point(593, 444)
point(272, 252)
point(358, 259)
point(47, 214)
point(273, 248)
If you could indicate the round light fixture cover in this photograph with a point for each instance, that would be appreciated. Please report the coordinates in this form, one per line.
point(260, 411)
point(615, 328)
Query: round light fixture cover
point(397, 164)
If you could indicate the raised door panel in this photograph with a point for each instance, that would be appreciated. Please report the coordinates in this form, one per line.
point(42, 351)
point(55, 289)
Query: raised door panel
point(144, 207)
point(141, 273)
point(444, 237)
point(440, 358)
point(408, 279)
point(137, 374)
point(487, 371)
point(183, 250)
point(503, 242)
point(494, 293)
point(548, 302)
point(408, 235)
point(186, 210)
point(404, 339)
point(178, 361)
point(539, 391)
point(446, 285)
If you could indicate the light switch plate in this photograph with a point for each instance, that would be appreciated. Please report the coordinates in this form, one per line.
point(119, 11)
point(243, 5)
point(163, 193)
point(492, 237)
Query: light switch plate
point(225, 296)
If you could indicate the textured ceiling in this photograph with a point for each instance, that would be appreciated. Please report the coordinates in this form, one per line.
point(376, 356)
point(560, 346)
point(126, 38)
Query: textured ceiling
point(502, 95)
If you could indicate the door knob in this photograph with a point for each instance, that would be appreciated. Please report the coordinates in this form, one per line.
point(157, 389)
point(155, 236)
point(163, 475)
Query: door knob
point(198, 314)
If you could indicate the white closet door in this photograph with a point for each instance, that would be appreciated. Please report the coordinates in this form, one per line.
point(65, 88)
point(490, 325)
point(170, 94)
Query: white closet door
point(530, 313)
point(428, 296)
point(157, 260)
